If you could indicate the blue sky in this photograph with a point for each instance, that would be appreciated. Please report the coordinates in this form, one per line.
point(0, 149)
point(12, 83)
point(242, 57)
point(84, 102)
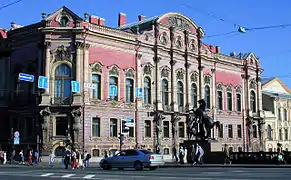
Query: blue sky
point(271, 45)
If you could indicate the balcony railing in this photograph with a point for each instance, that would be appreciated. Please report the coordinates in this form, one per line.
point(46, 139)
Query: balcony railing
point(62, 100)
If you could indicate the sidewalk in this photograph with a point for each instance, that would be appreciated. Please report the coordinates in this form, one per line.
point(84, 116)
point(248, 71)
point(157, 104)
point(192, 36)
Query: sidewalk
point(43, 165)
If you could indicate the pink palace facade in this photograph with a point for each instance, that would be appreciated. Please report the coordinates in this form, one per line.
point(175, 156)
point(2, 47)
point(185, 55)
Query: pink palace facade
point(163, 55)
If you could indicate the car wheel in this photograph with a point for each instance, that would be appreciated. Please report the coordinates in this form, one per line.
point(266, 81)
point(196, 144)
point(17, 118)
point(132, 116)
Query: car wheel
point(106, 166)
point(138, 166)
point(153, 168)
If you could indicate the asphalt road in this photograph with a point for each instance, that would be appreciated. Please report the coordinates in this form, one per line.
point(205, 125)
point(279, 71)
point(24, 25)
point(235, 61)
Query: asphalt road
point(187, 173)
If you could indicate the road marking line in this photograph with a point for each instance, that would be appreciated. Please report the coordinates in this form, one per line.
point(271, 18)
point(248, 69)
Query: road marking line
point(88, 176)
point(47, 174)
point(68, 175)
point(237, 171)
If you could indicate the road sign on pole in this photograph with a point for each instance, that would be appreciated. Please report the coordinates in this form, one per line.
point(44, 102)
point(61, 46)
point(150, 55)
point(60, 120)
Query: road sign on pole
point(43, 82)
point(75, 86)
point(112, 90)
point(130, 122)
point(139, 92)
point(16, 140)
point(26, 77)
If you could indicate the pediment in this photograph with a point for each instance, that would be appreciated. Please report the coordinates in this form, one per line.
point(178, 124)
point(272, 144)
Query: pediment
point(63, 17)
point(277, 86)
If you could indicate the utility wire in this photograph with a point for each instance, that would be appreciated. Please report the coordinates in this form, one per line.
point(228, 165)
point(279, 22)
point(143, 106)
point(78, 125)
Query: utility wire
point(10, 4)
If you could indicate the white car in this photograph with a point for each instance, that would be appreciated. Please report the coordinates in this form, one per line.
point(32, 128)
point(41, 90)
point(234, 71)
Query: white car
point(133, 158)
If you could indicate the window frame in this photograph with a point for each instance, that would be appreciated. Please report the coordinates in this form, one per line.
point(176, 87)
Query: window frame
point(207, 96)
point(194, 94)
point(129, 96)
point(99, 127)
point(148, 128)
point(112, 129)
point(98, 88)
point(147, 99)
point(117, 84)
point(180, 94)
point(165, 92)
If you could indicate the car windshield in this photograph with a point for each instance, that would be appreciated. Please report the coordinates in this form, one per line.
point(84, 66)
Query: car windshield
point(145, 151)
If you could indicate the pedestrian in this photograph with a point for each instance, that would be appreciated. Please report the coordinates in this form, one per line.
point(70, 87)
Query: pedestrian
point(30, 157)
point(74, 160)
point(87, 158)
point(52, 159)
point(67, 156)
point(81, 160)
point(226, 155)
point(193, 152)
point(181, 154)
point(36, 156)
point(21, 156)
point(199, 154)
point(12, 156)
point(5, 157)
point(175, 154)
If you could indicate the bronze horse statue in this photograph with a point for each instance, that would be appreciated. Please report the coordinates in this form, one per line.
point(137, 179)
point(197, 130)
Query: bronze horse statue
point(201, 126)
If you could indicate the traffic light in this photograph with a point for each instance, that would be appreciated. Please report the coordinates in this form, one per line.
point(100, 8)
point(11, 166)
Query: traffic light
point(124, 127)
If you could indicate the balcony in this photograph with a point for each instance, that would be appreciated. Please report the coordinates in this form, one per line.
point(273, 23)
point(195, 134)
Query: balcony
point(62, 100)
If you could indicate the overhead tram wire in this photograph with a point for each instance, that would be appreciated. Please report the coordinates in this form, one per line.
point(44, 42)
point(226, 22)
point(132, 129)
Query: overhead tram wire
point(10, 4)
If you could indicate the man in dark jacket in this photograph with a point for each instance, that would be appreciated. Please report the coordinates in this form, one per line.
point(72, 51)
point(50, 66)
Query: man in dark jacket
point(67, 157)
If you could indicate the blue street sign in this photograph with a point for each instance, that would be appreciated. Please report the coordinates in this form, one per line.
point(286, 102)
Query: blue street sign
point(75, 87)
point(130, 120)
point(139, 92)
point(112, 90)
point(26, 77)
point(43, 82)
point(16, 140)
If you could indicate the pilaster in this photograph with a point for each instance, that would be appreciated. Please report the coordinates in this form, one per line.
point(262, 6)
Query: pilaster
point(45, 99)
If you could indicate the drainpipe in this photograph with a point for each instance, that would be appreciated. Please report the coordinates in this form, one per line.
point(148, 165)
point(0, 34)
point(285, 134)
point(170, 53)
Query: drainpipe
point(137, 47)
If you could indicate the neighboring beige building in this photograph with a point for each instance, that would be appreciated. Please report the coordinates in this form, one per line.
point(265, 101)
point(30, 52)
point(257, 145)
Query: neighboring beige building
point(277, 108)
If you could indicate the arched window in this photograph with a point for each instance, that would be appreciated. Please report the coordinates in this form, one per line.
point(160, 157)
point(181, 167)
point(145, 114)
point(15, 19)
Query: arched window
point(253, 101)
point(269, 132)
point(194, 94)
point(62, 84)
point(96, 153)
point(64, 21)
point(113, 81)
point(238, 102)
point(129, 91)
point(229, 101)
point(285, 114)
point(96, 90)
point(207, 97)
point(165, 92)
point(180, 94)
point(147, 90)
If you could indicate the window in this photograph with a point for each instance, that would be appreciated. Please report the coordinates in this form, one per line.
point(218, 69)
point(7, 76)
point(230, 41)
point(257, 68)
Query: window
point(165, 92)
point(253, 101)
point(113, 127)
point(285, 114)
point(166, 129)
point(269, 132)
point(96, 153)
point(64, 21)
point(129, 91)
point(220, 100)
point(279, 114)
point(239, 131)
point(220, 132)
point(166, 151)
point(207, 97)
point(255, 131)
point(280, 135)
point(131, 132)
point(96, 127)
point(229, 101)
point(62, 126)
point(238, 102)
point(113, 81)
point(286, 134)
point(194, 95)
point(96, 91)
point(230, 131)
point(181, 129)
point(62, 83)
point(180, 94)
point(147, 90)
point(148, 128)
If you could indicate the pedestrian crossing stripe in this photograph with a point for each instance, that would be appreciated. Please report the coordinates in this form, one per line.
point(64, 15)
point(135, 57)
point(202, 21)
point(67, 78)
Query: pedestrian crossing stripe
point(88, 176)
point(68, 175)
point(47, 174)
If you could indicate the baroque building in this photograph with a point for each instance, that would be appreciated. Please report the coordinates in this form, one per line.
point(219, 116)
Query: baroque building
point(163, 55)
point(277, 108)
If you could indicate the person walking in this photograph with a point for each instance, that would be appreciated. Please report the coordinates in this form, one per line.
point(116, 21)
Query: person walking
point(67, 157)
point(52, 159)
point(36, 156)
point(181, 154)
point(5, 157)
point(21, 156)
point(199, 154)
point(30, 157)
point(74, 160)
point(226, 154)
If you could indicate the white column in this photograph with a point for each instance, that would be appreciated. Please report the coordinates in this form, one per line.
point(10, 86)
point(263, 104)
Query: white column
point(86, 73)
point(47, 63)
point(159, 85)
point(213, 96)
point(189, 88)
point(244, 130)
point(78, 61)
point(175, 90)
